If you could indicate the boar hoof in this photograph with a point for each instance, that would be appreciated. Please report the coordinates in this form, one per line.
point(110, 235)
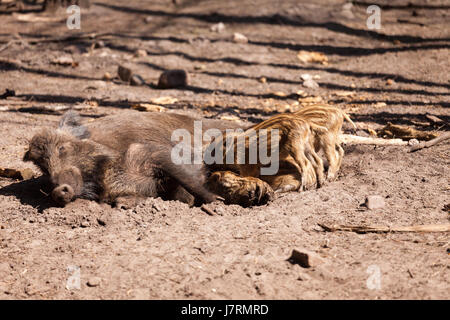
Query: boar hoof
point(245, 191)
point(126, 203)
point(63, 194)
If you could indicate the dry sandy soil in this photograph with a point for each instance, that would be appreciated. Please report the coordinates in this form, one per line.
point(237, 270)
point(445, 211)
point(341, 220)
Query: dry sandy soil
point(166, 250)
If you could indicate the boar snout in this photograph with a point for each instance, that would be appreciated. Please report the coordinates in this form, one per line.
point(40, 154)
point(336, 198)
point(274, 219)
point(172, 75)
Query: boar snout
point(63, 194)
point(68, 185)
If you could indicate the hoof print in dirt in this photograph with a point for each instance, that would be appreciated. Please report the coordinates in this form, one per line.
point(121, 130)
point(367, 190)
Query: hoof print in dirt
point(173, 79)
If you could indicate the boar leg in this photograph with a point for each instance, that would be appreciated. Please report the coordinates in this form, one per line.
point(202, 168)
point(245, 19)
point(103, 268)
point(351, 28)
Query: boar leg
point(304, 167)
point(341, 152)
point(317, 164)
point(190, 176)
point(329, 147)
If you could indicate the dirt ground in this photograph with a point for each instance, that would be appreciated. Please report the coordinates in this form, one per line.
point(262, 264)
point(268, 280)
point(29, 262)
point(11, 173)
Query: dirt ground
point(166, 250)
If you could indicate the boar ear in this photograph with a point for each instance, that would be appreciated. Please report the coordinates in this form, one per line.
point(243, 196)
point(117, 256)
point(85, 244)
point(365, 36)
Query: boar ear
point(71, 123)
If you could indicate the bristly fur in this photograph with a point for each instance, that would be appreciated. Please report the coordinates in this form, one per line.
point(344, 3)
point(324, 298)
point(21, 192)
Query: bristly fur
point(71, 122)
point(332, 118)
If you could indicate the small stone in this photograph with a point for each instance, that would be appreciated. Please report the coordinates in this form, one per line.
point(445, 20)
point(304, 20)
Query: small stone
point(239, 38)
point(140, 53)
point(218, 27)
point(347, 14)
point(173, 79)
point(94, 282)
point(262, 80)
point(124, 73)
point(303, 277)
point(107, 76)
point(101, 222)
point(64, 61)
point(148, 19)
point(220, 211)
point(84, 224)
point(374, 202)
point(310, 84)
point(389, 82)
point(413, 142)
point(306, 76)
point(200, 67)
point(136, 80)
point(305, 258)
point(99, 44)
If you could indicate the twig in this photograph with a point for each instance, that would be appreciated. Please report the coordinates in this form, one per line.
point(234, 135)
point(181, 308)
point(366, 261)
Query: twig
point(352, 139)
point(207, 210)
point(7, 45)
point(365, 229)
point(427, 144)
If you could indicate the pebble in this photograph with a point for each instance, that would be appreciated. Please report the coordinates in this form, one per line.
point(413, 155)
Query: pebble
point(173, 79)
point(84, 224)
point(140, 53)
point(218, 27)
point(306, 76)
point(305, 258)
point(124, 73)
point(310, 84)
point(94, 282)
point(107, 76)
point(374, 202)
point(99, 44)
point(239, 38)
point(136, 80)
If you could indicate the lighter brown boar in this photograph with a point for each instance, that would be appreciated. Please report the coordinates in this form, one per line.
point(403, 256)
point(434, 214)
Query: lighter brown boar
point(332, 119)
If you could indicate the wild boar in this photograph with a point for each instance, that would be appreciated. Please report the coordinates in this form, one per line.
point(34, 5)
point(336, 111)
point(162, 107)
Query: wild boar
point(118, 159)
point(293, 150)
point(332, 119)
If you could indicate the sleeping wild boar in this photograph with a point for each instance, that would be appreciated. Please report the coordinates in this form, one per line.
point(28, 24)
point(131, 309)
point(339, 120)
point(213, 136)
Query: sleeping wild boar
point(117, 159)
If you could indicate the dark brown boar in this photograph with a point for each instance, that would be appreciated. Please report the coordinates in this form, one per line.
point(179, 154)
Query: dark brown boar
point(117, 159)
